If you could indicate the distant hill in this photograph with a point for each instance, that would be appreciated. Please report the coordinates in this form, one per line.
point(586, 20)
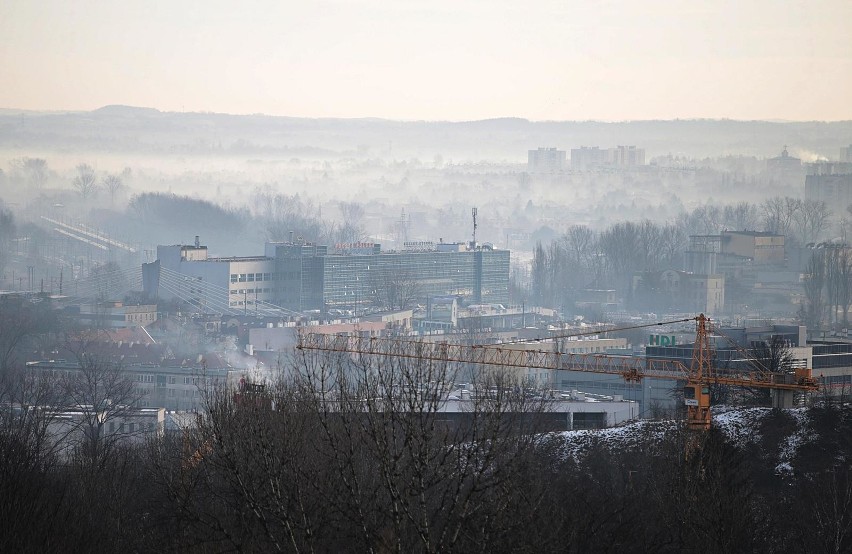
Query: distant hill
point(146, 130)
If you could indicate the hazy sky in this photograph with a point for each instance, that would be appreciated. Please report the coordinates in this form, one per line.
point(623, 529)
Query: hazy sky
point(434, 59)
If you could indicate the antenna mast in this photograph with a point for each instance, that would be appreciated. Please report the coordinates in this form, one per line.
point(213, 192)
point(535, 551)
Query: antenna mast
point(402, 229)
point(473, 213)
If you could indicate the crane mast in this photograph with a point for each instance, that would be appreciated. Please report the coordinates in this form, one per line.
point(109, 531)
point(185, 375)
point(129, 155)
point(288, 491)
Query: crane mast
point(699, 376)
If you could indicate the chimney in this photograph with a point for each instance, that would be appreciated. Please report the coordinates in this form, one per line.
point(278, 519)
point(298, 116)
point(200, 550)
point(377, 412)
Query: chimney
point(197, 241)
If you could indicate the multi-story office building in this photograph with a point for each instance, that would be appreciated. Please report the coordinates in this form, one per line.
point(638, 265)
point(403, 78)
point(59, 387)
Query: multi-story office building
point(312, 278)
point(233, 282)
point(305, 277)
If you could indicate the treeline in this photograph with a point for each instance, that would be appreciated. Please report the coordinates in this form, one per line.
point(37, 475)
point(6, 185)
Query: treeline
point(827, 286)
point(358, 456)
point(584, 258)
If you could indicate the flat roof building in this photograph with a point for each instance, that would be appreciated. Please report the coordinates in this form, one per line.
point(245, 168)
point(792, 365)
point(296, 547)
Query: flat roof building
point(305, 277)
point(545, 160)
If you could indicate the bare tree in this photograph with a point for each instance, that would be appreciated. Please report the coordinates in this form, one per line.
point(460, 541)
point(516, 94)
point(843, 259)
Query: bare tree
point(779, 214)
point(85, 182)
point(741, 216)
point(706, 220)
point(620, 244)
point(579, 240)
point(829, 497)
point(285, 216)
point(352, 228)
point(357, 455)
point(34, 170)
point(773, 356)
point(113, 185)
point(811, 311)
point(673, 241)
point(104, 394)
point(812, 220)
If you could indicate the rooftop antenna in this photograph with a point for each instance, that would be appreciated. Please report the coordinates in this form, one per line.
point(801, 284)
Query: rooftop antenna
point(473, 213)
point(402, 237)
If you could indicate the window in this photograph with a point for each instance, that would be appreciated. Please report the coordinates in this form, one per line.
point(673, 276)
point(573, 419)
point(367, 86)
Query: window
point(233, 277)
point(251, 277)
point(242, 278)
point(258, 276)
point(132, 427)
point(267, 276)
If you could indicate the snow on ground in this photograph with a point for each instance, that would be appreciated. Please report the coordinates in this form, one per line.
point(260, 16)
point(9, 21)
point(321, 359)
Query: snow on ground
point(792, 443)
point(741, 425)
point(626, 436)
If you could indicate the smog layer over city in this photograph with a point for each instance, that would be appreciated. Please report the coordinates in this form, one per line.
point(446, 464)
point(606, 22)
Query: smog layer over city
point(361, 276)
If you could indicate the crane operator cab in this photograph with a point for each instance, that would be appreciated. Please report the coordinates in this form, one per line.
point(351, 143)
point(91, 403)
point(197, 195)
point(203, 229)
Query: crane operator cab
point(696, 396)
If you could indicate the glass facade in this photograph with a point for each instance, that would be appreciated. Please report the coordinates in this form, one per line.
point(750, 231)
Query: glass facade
point(312, 279)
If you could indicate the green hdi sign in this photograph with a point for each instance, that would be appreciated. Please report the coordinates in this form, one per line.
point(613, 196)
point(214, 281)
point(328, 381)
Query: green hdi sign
point(661, 340)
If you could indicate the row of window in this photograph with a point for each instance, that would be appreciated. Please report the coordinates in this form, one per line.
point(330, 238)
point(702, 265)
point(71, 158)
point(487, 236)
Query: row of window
point(131, 426)
point(250, 277)
point(250, 291)
point(163, 380)
point(141, 317)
